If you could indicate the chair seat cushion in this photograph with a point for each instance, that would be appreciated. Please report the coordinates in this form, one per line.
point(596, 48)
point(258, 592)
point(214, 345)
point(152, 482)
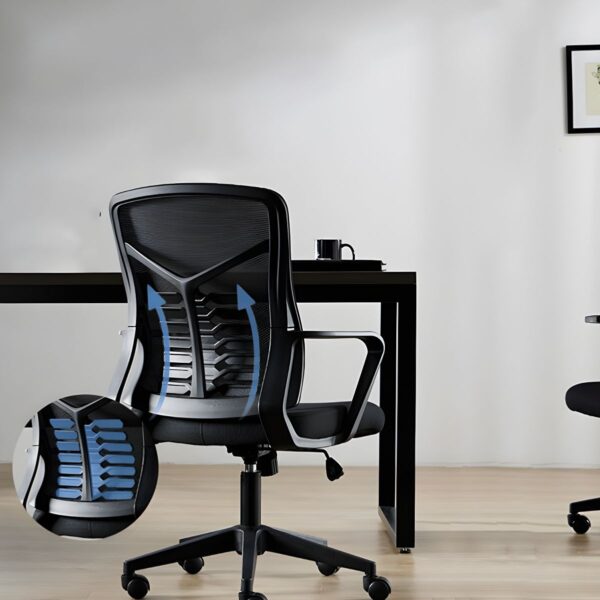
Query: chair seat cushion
point(585, 398)
point(314, 420)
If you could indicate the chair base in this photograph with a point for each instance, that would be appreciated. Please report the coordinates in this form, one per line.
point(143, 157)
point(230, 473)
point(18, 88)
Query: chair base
point(578, 522)
point(250, 539)
point(584, 506)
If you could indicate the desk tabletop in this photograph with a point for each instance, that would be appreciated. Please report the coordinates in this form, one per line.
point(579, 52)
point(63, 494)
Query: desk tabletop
point(310, 286)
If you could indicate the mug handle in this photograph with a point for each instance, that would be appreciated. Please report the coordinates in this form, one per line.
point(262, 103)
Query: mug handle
point(351, 250)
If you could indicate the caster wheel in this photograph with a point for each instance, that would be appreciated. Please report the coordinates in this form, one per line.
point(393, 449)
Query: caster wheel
point(192, 565)
point(327, 569)
point(378, 588)
point(579, 523)
point(138, 587)
point(252, 596)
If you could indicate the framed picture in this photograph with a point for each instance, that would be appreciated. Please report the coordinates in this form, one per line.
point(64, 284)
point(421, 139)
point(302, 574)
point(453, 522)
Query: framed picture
point(583, 89)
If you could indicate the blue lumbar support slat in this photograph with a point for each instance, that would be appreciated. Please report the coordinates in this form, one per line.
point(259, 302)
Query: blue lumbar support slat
point(119, 483)
point(62, 423)
point(68, 493)
point(65, 434)
point(111, 436)
point(68, 446)
point(109, 454)
point(106, 424)
point(70, 470)
point(113, 482)
point(120, 495)
point(69, 457)
point(70, 481)
point(110, 447)
point(119, 459)
point(112, 471)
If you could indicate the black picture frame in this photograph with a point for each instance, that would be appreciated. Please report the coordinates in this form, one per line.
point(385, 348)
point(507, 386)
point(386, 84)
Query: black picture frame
point(572, 126)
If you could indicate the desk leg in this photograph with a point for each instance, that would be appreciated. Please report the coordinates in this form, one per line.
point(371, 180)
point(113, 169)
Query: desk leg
point(388, 401)
point(398, 401)
point(406, 418)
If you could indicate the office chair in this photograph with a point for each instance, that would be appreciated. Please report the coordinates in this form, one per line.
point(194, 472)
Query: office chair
point(584, 398)
point(214, 355)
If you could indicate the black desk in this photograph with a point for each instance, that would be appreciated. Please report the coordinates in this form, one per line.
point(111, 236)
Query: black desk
point(395, 292)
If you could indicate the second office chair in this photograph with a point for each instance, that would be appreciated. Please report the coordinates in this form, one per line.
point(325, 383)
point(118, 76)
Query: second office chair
point(584, 398)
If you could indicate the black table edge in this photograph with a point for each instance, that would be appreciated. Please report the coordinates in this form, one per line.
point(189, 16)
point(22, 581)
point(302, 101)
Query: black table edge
point(107, 287)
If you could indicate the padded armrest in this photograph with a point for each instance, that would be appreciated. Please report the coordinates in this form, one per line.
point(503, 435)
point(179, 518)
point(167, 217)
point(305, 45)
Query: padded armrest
point(273, 418)
point(592, 319)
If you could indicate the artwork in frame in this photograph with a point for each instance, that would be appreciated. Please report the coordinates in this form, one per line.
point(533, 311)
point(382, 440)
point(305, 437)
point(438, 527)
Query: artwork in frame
point(583, 89)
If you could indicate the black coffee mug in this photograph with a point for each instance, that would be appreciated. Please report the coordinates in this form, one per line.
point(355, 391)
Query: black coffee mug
point(331, 249)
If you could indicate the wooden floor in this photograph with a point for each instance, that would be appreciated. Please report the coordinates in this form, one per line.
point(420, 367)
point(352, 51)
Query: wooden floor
point(482, 534)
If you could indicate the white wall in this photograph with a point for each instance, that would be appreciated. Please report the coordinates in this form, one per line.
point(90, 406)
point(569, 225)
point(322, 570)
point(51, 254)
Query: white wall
point(428, 133)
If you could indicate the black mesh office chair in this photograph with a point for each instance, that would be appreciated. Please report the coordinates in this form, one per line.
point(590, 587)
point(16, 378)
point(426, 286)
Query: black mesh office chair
point(584, 398)
point(214, 354)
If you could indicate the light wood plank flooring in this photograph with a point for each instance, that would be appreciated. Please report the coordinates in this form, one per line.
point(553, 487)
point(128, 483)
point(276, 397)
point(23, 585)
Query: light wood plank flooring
point(482, 534)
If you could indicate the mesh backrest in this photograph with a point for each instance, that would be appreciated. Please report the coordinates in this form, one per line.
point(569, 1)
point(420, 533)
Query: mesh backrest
point(198, 250)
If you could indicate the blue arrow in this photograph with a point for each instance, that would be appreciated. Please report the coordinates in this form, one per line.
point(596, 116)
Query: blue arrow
point(155, 302)
point(245, 302)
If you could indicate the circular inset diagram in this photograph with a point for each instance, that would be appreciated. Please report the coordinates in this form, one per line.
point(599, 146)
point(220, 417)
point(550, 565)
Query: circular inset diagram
point(89, 468)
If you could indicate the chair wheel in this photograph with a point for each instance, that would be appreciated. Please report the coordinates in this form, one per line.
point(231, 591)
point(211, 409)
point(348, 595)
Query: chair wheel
point(327, 569)
point(138, 586)
point(192, 565)
point(378, 588)
point(579, 523)
point(252, 596)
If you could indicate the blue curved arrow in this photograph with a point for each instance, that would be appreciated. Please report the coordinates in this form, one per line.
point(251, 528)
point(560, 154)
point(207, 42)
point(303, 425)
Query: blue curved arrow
point(245, 302)
point(155, 302)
